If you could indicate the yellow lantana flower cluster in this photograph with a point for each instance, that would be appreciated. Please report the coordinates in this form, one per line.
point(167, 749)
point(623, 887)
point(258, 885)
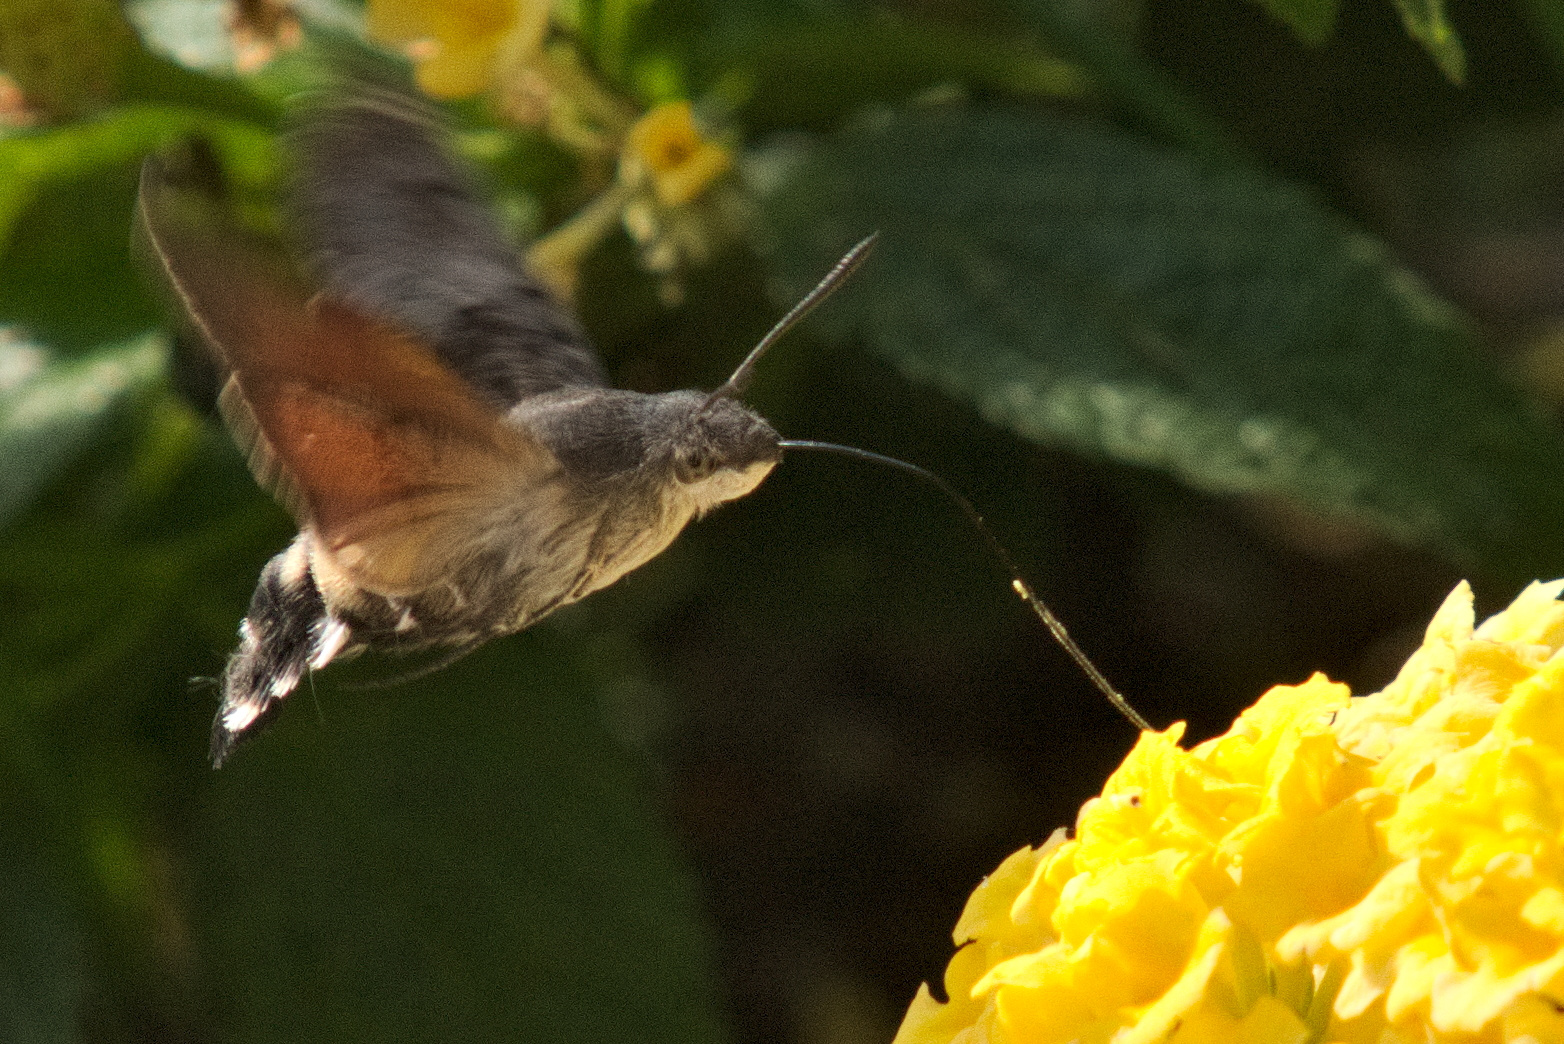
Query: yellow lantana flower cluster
point(667, 153)
point(1386, 869)
point(462, 44)
point(669, 166)
point(668, 193)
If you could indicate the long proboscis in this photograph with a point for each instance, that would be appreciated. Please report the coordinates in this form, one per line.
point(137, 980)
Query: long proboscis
point(1017, 581)
point(735, 386)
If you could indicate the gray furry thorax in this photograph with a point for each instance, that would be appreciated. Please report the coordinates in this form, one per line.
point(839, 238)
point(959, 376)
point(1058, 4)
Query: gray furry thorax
point(631, 470)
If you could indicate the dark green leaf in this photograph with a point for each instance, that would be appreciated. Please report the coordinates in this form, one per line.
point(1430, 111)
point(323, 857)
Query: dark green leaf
point(466, 859)
point(49, 410)
point(120, 550)
point(1312, 20)
point(815, 69)
point(41, 980)
point(32, 159)
point(151, 79)
point(1427, 24)
point(1082, 287)
point(66, 200)
point(1547, 19)
point(1119, 73)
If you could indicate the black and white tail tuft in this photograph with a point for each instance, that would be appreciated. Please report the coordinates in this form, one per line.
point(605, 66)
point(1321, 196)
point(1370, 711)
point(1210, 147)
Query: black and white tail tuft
point(286, 632)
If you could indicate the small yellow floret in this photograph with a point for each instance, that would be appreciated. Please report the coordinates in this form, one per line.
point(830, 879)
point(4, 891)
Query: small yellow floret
point(666, 149)
point(1382, 869)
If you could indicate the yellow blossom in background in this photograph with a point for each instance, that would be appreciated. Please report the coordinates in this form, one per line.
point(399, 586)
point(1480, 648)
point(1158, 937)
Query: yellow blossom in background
point(667, 197)
point(461, 47)
point(666, 152)
point(1377, 870)
point(663, 193)
point(670, 170)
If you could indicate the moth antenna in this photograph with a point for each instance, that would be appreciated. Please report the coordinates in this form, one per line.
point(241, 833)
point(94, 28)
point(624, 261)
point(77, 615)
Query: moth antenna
point(735, 386)
point(1017, 581)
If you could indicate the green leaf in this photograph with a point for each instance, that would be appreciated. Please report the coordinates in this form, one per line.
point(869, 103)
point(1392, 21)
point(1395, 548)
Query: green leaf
point(41, 982)
point(27, 163)
point(29, 160)
point(1083, 287)
point(66, 199)
point(610, 25)
point(1312, 20)
point(816, 69)
point(1426, 22)
point(1122, 75)
point(50, 410)
point(134, 510)
point(153, 80)
point(465, 859)
point(1547, 21)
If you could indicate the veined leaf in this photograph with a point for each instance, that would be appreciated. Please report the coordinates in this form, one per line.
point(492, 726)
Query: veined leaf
point(814, 69)
point(1083, 287)
point(49, 410)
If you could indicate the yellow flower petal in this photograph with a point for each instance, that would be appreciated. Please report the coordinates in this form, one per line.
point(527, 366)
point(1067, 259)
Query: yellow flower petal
point(666, 149)
point(1270, 1022)
point(457, 70)
point(1369, 871)
point(1535, 1020)
point(1172, 1010)
point(461, 46)
point(455, 22)
point(989, 912)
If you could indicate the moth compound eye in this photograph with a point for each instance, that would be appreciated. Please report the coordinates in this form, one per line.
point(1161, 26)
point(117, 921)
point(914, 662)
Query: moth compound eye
point(694, 465)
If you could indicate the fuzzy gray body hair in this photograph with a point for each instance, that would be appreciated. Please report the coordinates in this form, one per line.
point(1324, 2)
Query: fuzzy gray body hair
point(436, 421)
point(620, 488)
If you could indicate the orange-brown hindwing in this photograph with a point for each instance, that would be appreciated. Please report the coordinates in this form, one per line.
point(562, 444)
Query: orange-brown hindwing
point(360, 429)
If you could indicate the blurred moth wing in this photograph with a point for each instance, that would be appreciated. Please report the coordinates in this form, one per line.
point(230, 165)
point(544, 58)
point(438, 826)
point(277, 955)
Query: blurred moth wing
point(436, 421)
point(374, 445)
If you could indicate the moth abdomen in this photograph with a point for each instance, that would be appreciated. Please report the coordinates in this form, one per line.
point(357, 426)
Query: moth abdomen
point(434, 420)
point(287, 631)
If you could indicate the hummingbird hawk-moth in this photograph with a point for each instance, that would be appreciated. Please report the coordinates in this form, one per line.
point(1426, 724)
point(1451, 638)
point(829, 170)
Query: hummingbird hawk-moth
point(435, 421)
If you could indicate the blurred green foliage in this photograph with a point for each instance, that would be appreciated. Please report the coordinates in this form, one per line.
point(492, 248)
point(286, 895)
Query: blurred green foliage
point(1085, 288)
point(1090, 240)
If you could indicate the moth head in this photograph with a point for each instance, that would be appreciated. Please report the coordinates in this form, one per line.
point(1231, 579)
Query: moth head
point(723, 451)
point(726, 449)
